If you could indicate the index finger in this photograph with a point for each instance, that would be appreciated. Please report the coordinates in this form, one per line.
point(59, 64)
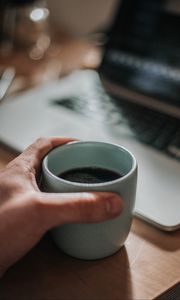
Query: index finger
point(34, 154)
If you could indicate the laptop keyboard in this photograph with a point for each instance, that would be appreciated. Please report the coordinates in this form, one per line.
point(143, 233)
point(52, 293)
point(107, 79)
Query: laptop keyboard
point(156, 129)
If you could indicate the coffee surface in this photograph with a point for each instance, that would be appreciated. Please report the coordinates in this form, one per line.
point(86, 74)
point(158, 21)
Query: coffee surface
point(89, 175)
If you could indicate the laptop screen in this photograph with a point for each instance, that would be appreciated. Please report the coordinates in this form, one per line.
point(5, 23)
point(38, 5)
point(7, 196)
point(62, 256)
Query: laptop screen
point(143, 50)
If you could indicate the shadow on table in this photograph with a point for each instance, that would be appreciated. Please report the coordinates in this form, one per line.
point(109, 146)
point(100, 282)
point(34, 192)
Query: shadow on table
point(45, 273)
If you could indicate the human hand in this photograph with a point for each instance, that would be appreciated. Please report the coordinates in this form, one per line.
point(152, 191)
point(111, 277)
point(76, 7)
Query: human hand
point(26, 213)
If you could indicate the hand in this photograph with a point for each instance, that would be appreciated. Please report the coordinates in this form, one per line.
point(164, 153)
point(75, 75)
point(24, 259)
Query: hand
point(26, 213)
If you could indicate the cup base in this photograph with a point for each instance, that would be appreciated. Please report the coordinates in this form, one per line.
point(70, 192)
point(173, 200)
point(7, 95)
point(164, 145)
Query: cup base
point(93, 255)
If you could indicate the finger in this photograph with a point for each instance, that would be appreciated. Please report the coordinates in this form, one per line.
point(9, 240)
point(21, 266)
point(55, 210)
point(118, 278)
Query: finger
point(34, 154)
point(56, 209)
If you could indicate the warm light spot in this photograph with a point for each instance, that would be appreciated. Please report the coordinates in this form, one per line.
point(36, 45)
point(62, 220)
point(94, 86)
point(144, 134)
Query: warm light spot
point(39, 14)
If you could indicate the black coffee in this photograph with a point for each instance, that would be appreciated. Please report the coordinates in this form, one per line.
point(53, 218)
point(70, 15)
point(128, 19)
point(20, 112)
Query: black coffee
point(89, 175)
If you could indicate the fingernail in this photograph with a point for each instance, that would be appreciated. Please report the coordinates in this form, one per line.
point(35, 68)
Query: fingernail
point(113, 205)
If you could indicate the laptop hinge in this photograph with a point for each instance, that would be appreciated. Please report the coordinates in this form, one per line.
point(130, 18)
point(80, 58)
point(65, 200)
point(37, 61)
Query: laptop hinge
point(131, 96)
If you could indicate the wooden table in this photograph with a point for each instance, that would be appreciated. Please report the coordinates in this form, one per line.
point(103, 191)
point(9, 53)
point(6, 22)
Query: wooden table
point(147, 266)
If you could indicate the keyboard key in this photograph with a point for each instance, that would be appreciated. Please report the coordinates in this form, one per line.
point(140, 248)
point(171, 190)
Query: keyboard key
point(174, 147)
point(166, 135)
point(174, 151)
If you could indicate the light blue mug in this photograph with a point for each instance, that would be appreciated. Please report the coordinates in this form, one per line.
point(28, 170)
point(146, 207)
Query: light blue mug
point(92, 241)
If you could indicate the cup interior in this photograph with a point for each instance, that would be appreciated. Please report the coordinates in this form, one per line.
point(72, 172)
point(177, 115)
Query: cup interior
point(89, 154)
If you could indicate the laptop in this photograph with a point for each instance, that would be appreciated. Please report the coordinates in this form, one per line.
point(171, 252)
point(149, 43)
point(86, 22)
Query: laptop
point(133, 99)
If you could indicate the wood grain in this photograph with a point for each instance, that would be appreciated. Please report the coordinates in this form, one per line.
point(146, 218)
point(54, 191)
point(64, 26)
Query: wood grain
point(146, 266)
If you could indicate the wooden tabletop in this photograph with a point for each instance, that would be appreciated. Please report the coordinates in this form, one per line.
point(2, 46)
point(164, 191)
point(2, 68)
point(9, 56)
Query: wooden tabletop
point(147, 266)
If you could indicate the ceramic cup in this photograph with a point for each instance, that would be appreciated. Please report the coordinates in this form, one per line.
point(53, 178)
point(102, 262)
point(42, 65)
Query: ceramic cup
point(97, 240)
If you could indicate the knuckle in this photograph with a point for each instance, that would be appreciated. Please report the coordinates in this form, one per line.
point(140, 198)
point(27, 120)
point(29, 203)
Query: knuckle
point(16, 164)
point(23, 167)
point(43, 142)
point(41, 139)
point(41, 146)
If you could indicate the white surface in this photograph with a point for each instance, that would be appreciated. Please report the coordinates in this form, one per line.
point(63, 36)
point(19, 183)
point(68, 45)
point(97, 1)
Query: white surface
point(32, 115)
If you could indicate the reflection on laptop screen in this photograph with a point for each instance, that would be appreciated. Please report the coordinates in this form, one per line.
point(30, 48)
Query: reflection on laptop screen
point(143, 52)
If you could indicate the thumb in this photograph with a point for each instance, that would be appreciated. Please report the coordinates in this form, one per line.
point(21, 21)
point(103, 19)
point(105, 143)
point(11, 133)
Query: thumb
point(57, 209)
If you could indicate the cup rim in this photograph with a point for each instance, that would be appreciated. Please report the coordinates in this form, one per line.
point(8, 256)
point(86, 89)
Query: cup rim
point(92, 185)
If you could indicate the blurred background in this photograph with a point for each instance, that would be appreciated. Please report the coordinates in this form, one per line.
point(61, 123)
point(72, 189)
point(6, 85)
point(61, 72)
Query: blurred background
point(82, 17)
point(42, 40)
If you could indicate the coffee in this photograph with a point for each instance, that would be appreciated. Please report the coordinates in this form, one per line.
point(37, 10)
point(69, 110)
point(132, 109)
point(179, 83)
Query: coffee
point(90, 175)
